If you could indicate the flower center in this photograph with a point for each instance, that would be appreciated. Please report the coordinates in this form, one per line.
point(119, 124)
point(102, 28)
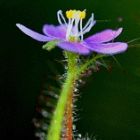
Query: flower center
point(73, 39)
point(74, 25)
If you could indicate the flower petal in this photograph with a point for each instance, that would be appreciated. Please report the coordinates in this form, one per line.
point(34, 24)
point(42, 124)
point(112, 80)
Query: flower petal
point(33, 34)
point(74, 47)
point(109, 48)
point(55, 31)
point(104, 36)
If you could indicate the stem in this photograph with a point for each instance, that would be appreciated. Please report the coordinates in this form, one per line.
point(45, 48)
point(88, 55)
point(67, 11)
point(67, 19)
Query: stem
point(67, 90)
point(85, 66)
point(68, 135)
point(63, 111)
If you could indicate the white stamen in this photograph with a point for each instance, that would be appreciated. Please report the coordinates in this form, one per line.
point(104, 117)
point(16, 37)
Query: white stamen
point(89, 21)
point(76, 30)
point(61, 17)
point(81, 30)
point(74, 26)
point(89, 27)
point(69, 28)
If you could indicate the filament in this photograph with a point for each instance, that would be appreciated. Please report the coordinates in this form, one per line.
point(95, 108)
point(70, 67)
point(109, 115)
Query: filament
point(61, 17)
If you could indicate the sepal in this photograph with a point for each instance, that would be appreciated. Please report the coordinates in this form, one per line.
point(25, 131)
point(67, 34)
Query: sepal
point(50, 45)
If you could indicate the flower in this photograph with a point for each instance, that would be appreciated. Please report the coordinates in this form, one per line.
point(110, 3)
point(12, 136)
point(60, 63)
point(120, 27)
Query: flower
point(69, 35)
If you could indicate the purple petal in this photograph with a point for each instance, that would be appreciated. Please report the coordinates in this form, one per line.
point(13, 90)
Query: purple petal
point(55, 31)
point(104, 36)
point(109, 48)
point(33, 34)
point(74, 47)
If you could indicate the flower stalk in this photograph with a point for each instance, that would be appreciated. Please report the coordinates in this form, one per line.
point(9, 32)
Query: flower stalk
point(63, 117)
point(68, 119)
point(66, 93)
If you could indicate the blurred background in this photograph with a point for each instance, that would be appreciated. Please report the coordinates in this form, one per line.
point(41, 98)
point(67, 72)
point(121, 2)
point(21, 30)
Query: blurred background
point(109, 106)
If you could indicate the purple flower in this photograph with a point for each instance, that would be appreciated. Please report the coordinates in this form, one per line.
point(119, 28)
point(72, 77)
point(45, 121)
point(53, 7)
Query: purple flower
point(69, 35)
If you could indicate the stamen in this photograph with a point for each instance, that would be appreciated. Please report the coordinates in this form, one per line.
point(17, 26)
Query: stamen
point(61, 17)
point(83, 14)
point(75, 14)
point(89, 25)
point(75, 30)
point(81, 30)
point(70, 13)
point(89, 21)
point(69, 28)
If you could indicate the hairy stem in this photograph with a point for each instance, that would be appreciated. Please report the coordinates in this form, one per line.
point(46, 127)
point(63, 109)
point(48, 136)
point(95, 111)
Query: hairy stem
point(62, 117)
point(67, 89)
point(85, 66)
point(68, 119)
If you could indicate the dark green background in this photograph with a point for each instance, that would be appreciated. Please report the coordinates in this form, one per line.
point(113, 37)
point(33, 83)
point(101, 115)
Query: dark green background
point(109, 106)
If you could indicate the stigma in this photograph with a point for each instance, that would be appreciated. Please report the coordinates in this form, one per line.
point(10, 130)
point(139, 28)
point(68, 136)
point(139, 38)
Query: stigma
point(74, 24)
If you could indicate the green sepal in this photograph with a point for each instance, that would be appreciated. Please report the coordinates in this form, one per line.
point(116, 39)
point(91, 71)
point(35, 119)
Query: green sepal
point(50, 45)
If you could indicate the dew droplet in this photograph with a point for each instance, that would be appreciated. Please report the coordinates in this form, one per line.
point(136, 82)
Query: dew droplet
point(79, 135)
point(44, 127)
point(74, 127)
point(45, 113)
point(40, 135)
point(75, 90)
